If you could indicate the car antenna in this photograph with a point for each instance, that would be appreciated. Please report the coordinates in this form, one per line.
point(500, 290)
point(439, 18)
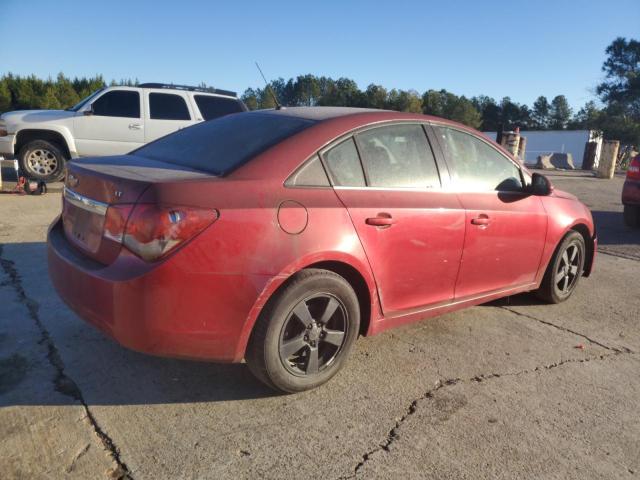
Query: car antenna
point(273, 94)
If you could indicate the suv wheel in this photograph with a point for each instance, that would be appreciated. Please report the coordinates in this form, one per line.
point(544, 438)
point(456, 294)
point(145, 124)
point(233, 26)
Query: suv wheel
point(564, 270)
point(632, 216)
point(305, 333)
point(42, 160)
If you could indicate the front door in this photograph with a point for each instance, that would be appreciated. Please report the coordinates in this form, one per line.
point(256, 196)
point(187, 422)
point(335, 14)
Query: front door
point(505, 226)
point(114, 125)
point(412, 231)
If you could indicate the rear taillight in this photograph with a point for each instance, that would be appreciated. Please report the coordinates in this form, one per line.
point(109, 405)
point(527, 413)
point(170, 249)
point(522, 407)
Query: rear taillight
point(152, 231)
point(633, 172)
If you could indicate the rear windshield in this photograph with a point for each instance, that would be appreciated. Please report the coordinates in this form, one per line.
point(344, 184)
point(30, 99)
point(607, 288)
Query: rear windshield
point(220, 146)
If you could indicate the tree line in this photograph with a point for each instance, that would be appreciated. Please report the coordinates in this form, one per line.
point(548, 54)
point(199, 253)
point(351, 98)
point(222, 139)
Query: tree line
point(617, 114)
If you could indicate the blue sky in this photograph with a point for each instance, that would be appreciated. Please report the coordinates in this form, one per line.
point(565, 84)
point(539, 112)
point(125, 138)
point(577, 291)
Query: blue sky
point(518, 49)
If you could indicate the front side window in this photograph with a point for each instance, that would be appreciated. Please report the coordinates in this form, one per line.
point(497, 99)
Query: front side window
point(477, 166)
point(344, 163)
point(118, 103)
point(167, 106)
point(213, 107)
point(398, 156)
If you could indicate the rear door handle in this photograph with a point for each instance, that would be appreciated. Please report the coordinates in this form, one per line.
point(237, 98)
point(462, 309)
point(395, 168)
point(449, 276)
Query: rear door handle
point(481, 219)
point(135, 126)
point(382, 220)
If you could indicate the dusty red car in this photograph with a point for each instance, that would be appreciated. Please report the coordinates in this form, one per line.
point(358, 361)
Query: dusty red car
point(280, 236)
point(631, 194)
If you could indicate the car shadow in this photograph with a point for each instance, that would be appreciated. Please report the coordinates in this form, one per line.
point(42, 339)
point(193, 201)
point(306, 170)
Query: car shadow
point(45, 347)
point(612, 230)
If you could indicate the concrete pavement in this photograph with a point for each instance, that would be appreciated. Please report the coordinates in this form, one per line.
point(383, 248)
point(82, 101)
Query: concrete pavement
point(510, 389)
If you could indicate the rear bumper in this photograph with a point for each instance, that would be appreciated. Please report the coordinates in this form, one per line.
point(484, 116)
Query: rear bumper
point(168, 309)
point(631, 192)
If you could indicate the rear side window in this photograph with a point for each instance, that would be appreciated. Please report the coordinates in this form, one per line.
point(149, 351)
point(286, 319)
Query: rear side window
point(344, 163)
point(118, 103)
point(167, 106)
point(477, 166)
point(310, 174)
point(222, 145)
point(213, 107)
point(398, 156)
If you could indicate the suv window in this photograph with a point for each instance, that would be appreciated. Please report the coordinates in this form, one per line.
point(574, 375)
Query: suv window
point(344, 163)
point(213, 107)
point(477, 166)
point(398, 156)
point(310, 174)
point(167, 106)
point(118, 103)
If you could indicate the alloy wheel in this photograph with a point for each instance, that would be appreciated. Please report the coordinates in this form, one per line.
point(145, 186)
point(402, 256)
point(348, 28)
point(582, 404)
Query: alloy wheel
point(41, 162)
point(567, 272)
point(313, 335)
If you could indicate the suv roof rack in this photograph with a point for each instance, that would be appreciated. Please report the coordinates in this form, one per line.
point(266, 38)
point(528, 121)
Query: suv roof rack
point(189, 88)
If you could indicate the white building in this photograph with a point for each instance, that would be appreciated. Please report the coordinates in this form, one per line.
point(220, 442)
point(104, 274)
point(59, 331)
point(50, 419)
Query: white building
point(544, 142)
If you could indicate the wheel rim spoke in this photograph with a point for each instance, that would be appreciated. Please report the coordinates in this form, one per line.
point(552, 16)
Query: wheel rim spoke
point(312, 362)
point(332, 306)
point(294, 345)
point(334, 337)
point(302, 313)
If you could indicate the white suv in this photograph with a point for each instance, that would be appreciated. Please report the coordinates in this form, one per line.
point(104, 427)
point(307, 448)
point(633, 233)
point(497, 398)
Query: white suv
point(111, 121)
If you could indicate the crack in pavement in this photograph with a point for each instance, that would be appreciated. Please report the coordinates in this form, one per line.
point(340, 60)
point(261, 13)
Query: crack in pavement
point(568, 330)
point(62, 382)
point(393, 434)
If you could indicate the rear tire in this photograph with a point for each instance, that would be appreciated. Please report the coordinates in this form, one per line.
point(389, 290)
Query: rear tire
point(632, 216)
point(305, 332)
point(42, 160)
point(564, 270)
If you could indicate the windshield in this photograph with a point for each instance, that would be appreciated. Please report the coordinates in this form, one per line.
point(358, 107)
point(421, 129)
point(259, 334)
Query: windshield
point(220, 146)
point(82, 102)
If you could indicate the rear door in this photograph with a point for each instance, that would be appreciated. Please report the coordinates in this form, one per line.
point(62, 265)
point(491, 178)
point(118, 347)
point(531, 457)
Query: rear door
point(411, 229)
point(165, 113)
point(113, 125)
point(505, 226)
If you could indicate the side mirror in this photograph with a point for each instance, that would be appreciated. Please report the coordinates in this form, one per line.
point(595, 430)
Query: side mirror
point(88, 111)
point(540, 185)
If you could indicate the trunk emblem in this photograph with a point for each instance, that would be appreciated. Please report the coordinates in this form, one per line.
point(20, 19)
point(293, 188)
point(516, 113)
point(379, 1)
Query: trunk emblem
point(72, 180)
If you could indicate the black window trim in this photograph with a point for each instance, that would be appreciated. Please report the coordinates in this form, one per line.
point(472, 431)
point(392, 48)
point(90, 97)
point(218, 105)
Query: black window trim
point(435, 149)
point(451, 167)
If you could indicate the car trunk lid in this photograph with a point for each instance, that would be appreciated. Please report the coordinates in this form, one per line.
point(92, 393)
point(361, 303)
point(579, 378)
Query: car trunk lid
point(98, 192)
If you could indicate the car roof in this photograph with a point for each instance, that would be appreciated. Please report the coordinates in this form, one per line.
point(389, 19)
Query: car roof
point(318, 113)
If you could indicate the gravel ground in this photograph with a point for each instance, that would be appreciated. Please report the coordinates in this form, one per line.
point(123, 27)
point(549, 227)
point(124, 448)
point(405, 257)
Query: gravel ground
point(510, 389)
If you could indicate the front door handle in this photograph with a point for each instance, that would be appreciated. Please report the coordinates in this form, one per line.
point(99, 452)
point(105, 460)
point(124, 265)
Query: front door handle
point(382, 220)
point(481, 219)
point(135, 126)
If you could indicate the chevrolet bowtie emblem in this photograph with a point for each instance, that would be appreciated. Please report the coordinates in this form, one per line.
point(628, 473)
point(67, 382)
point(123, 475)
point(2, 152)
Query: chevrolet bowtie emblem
point(72, 180)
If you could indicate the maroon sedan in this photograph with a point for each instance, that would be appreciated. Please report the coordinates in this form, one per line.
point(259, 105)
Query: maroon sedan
point(631, 194)
point(280, 236)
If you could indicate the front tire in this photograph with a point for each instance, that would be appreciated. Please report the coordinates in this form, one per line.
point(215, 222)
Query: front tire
point(632, 216)
point(42, 160)
point(305, 333)
point(564, 270)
